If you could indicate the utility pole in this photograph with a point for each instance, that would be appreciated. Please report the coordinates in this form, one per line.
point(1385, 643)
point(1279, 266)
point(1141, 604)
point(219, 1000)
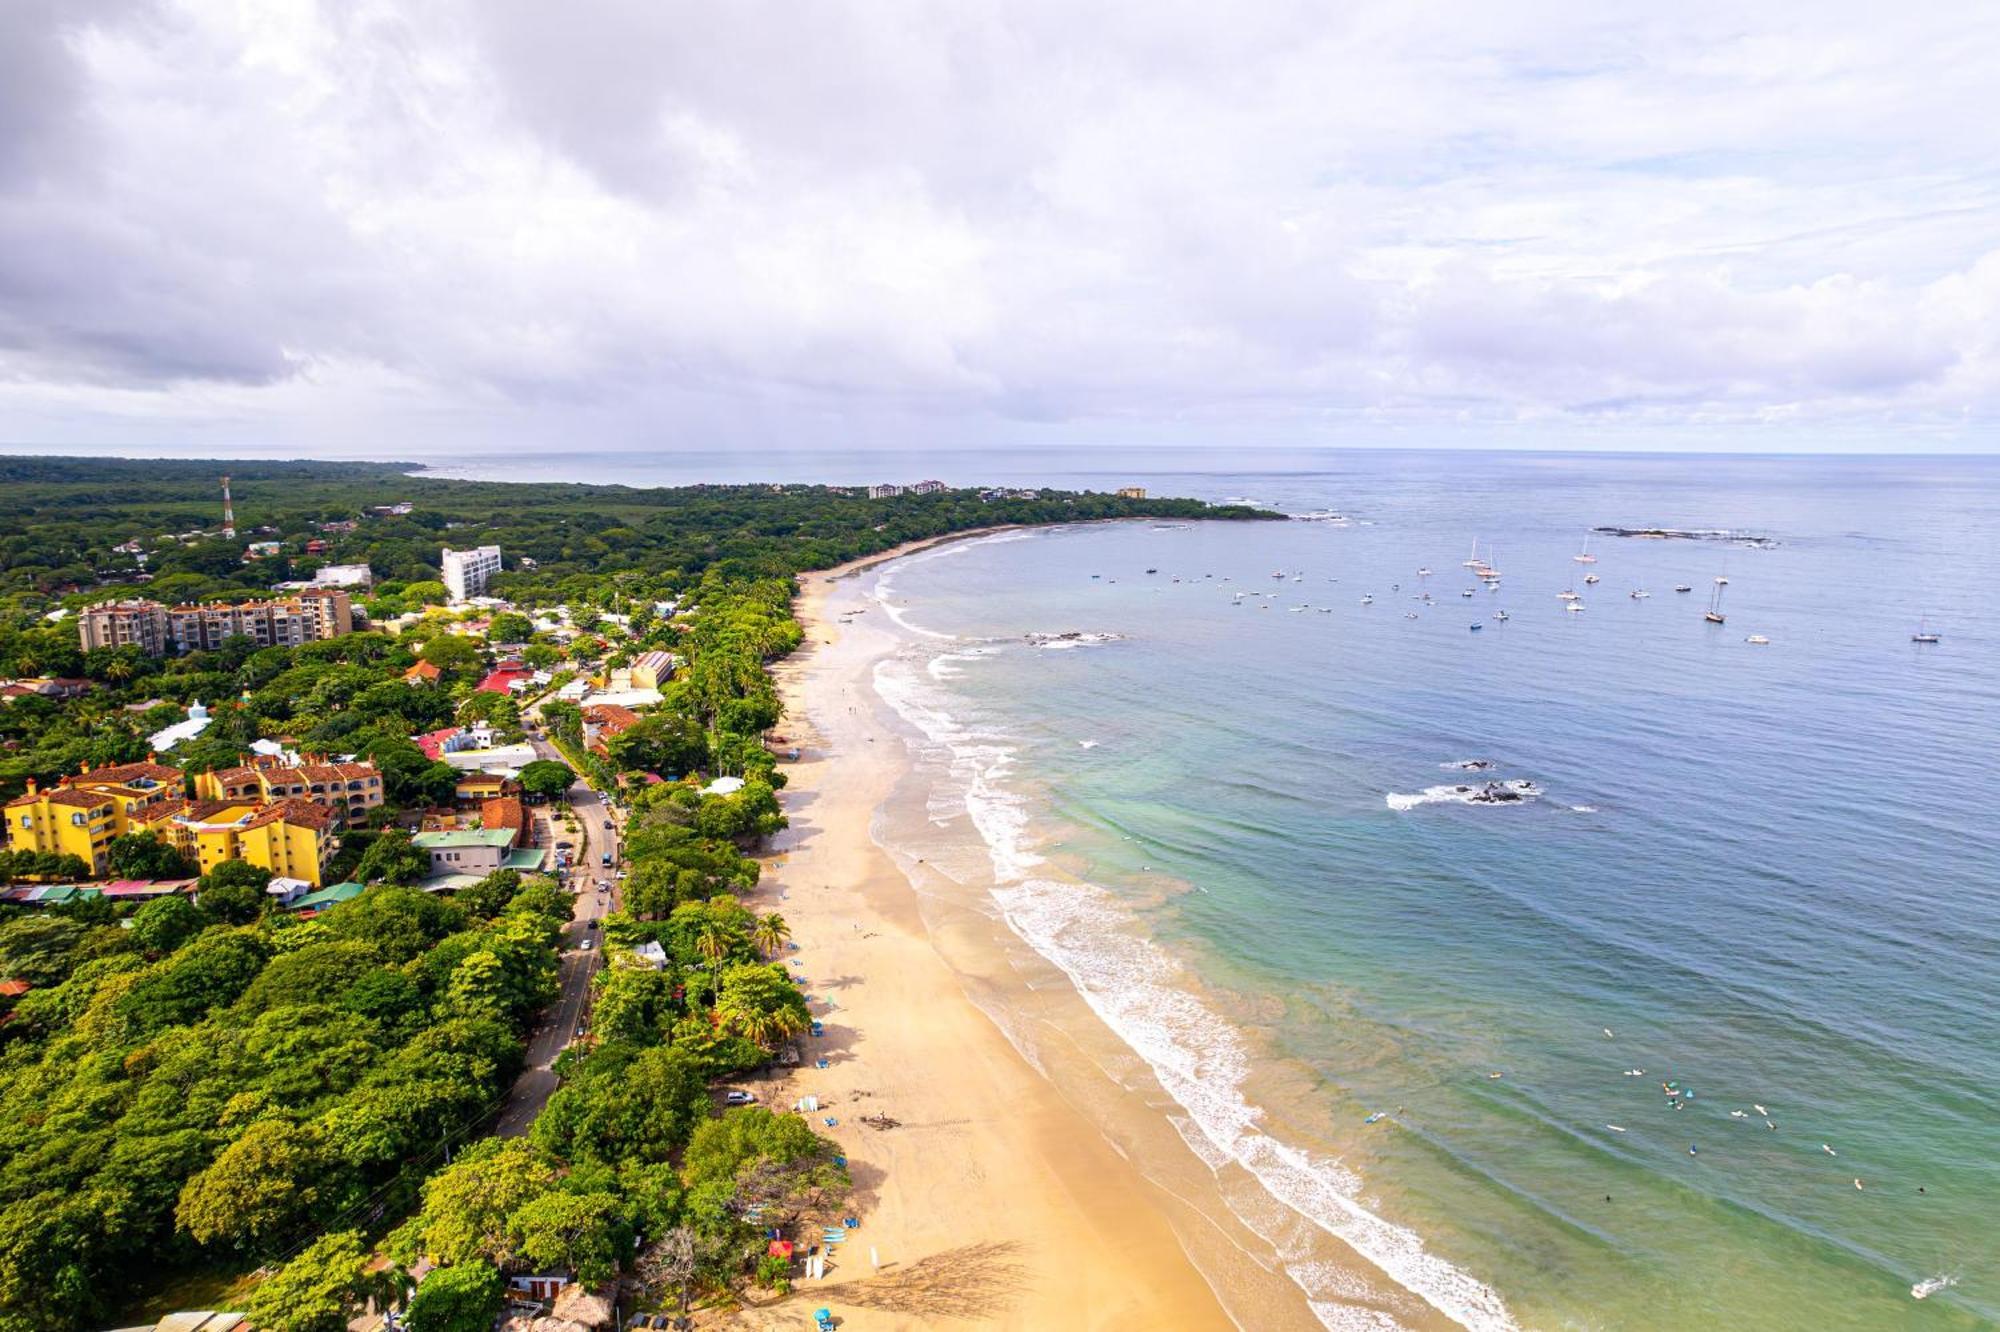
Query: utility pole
point(228, 512)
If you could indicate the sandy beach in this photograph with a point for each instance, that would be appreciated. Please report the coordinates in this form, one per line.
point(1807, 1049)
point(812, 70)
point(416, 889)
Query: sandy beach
point(995, 1203)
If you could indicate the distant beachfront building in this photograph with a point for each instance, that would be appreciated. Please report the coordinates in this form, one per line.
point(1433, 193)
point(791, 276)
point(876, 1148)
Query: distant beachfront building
point(141, 624)
point(927, 487)
point(884, 491)
point(1131, 492)
point(467, 572)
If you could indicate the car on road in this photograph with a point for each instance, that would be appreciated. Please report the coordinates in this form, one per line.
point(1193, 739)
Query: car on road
point(586, 942)
point(739, 1098)
point(593, 925)
point(565, 846)
point(609, 824)
point(607, 858)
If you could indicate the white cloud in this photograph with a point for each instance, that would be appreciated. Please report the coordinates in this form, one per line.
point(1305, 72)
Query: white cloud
point(475, 219)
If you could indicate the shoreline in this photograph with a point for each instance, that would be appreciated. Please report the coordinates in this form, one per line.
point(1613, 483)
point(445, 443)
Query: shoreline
point(1268, 1257)
point(995, 1203)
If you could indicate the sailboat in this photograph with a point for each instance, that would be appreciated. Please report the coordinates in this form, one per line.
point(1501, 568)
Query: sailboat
point(1474, 561)
point(1714, 615)
point(1584, 556)
point(1925, 634)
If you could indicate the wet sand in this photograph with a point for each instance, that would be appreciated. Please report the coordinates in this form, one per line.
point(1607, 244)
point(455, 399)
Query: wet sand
point(1042, 1189)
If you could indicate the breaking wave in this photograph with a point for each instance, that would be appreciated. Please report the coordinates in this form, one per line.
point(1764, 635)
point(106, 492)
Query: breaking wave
point(1139, 990)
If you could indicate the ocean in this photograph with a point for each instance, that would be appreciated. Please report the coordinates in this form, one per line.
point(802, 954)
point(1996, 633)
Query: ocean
point(1761, 877)
point(1766, 874)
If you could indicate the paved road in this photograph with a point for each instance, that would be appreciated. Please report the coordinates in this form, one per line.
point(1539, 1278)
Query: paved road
point(560, 1019)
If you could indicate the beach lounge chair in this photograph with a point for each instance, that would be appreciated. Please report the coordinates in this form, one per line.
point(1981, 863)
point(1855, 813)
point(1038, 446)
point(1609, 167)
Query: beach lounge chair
point(823, 1320)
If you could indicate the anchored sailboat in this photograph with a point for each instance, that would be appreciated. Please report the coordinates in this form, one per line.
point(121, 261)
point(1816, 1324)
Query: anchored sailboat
point(1714, 615)
point(1584, 556)
point(1925, 634)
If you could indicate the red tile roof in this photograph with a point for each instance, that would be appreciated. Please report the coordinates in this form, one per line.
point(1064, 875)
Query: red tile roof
point(129, 772)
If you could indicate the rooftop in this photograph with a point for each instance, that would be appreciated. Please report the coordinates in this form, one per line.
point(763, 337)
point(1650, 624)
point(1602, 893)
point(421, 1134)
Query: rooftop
point(469, 837)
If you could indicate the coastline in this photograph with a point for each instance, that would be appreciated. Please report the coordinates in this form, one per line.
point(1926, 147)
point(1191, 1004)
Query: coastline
point(1036, 1142)
point(995, 1203)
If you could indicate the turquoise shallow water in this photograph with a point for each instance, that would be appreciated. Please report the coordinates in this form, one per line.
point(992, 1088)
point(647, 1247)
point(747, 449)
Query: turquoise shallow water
point(1770, 871)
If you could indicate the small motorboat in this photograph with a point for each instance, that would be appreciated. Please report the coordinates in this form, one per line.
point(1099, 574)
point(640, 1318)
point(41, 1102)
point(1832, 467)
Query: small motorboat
point(1639, 594)
point(1573, 606)
point(1367, 601)
point(1466, 592)
point(1476, 626)
point(1152, 571)
point(1591, 578)
point(1568, 594)
point(1758, 639)
point(1682, 587)
point(1500, 616)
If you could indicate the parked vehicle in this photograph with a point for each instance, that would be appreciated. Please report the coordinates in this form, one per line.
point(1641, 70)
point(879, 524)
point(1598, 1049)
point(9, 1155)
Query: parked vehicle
point(739, 1098)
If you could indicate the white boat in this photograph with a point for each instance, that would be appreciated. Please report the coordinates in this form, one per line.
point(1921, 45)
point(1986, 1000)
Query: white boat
point(1573, 606)
point(1500, 615)
point(1591, 578)
point(1925, 634)
point(1639, 594)
point(1682, 587)
point(1466, 592)
point(1423, 573)
point(1474, 561)
point(1714, 614)
point(1367, 601)
point(1584, 556)
point(1758, 639)
point(1570, 594)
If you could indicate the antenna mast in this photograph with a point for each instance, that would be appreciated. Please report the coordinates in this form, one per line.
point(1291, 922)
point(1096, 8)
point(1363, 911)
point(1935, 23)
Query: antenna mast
point(228, 511)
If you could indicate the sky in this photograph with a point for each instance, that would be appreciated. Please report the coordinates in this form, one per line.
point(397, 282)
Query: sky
point(399, 228)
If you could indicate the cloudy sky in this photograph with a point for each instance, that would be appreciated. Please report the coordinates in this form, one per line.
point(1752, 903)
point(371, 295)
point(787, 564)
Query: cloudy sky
point(394, 227)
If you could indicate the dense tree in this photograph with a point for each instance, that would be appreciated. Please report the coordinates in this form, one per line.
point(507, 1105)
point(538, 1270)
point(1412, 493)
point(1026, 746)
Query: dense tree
point(318, 1291)
point(545, 779)
point(453, 655)
point(463, 1298)
point(397, 923)
point(584, 1233)
point(394, 859)
point(142, 856)
point(39, 948)
point(510, 627)
point(234, 891)
point(259, 1187)
point(165, 923)
point(466, 1205)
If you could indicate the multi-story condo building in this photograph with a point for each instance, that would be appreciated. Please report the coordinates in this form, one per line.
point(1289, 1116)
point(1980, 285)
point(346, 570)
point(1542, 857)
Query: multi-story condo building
point(467, 572)
point(292, 838)
point(85, 811)
point(315, 613)
point(141, 624)
point(347, 790)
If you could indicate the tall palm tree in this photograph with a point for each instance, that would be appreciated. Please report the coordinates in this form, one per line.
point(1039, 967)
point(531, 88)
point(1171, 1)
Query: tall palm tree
point(770, 933)
point(713, 945)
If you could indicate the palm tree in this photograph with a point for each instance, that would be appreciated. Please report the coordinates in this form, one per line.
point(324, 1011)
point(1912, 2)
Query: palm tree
point(770, 933)
point(713, 945)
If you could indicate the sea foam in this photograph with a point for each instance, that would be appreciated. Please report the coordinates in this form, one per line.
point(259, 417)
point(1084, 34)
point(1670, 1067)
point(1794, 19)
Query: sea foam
point(1139, 991)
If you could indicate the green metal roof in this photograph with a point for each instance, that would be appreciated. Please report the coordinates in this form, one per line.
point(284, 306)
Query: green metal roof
point(330, 896)
point(434, 841)
point(528, 858)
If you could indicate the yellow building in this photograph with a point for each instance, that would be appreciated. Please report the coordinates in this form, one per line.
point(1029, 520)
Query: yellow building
point(478, 787)
point(85, 811)
point(348, 790)
point(292, 839)
point(75, 823)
